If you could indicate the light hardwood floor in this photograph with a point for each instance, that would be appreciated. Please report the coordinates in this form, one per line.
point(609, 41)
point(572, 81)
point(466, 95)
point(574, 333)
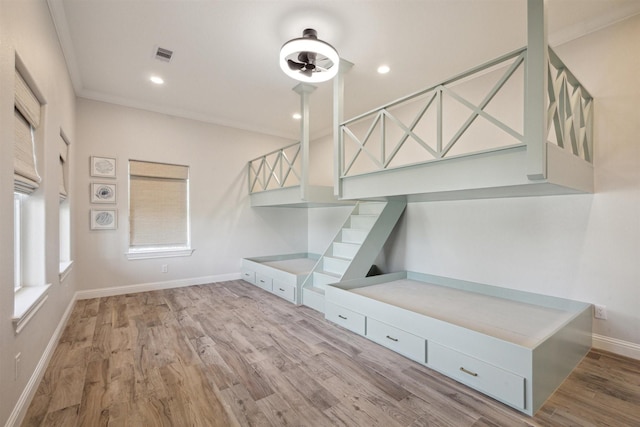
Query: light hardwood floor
point(231, 354)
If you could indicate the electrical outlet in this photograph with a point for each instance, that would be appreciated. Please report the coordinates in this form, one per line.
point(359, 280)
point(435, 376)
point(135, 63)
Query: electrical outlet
point(600, 312)
point(17, 364)
point(165, 268)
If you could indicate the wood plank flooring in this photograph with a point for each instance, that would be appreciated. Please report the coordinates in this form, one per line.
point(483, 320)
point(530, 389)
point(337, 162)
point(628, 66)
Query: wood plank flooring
point(230, 354)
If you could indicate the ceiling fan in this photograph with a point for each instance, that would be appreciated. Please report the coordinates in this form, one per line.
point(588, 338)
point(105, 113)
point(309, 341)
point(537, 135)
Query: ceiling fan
point(309, 59)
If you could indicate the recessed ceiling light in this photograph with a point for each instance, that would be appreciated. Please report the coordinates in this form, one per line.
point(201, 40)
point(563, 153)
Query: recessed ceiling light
point(157, 80)
point(383, 69)
point(297, 116)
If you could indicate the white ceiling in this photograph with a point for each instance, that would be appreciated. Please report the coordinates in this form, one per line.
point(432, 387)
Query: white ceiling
point(225, 65)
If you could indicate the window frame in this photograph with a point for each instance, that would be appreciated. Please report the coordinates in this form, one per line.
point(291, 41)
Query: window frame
point(160, 251)
point(64, 210)
point(29, 214)
point(17, 241)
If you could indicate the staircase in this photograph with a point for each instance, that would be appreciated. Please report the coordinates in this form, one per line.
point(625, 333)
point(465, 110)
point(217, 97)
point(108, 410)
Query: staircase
point(354, 249)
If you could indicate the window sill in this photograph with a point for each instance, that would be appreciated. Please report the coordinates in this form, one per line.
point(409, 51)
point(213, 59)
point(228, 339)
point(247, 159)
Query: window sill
point(158, 253)
point(27, 301)
point(65, 269)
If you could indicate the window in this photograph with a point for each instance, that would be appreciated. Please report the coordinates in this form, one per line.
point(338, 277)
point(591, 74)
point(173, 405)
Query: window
point(158, 210)
point(26, 177)
point(28, 206)
point(64, 211)
point(17, 241)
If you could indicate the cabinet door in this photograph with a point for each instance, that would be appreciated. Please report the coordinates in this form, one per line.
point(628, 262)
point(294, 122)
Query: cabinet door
point(249, 276)
point(264, 282)
point(405, 343)
point(492, 380)
point(284, 290)
point(344, 317)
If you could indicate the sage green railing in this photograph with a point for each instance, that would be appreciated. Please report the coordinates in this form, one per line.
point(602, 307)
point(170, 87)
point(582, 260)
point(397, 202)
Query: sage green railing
point(443, 115)
point(276, 169)
point(570, 112)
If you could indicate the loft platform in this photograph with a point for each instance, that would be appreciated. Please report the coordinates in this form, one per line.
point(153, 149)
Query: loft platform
point(507, 128)
point(514, 346)
point(496, 173)
point(278, 179)
point(291, 197)
point(281, 178)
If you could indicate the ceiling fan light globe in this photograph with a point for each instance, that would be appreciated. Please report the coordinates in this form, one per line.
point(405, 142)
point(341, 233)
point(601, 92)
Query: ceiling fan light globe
point(309, 45)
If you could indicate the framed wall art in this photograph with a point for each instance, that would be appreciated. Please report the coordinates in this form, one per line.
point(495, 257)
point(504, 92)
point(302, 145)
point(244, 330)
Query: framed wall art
point(103, 192)
point(104, 167)
point(104, 219)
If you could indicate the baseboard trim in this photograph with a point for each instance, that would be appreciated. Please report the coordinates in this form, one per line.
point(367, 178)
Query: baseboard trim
point(613, 345)
point(155, 286)
point(20, 410)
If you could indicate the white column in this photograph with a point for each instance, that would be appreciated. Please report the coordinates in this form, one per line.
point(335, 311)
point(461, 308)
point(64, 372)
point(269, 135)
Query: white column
point(304, 90)
point(536, 96)
point(338, 118)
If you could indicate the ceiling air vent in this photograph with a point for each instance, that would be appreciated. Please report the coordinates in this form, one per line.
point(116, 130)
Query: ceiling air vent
point(163, 54)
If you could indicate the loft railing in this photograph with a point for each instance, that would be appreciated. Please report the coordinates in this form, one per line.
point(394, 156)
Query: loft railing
point(431, 133)
point(276, 169)
point(570, 112)
point(461, 116)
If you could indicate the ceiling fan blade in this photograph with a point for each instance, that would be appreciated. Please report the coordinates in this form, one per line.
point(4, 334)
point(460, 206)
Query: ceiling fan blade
point(307, 57)
point(293, 65)
point(306, 72)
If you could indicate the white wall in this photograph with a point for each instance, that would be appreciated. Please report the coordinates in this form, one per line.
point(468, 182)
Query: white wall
point(224, 227)
point(585, 247)
point(26, 29)
point(321, 161)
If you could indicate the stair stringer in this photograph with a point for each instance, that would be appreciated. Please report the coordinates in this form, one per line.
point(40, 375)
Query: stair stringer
point(360, 263)
point(375, 240)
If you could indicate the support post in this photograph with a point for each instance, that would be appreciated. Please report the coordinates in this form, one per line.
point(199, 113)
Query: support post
point(338, 118)
point(536, 96)
point(304, 90)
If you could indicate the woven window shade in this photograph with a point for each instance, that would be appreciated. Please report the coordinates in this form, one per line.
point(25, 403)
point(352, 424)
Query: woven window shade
point(26, 178)
point(158, 170)
point(158, 204)
point(26, 101)
point(62, 183)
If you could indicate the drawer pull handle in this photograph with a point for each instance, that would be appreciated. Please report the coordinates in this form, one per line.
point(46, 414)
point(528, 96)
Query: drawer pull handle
point(466, 371)
point(342, 317)
point(261, 281)
point(281, 289)
point(392, 338)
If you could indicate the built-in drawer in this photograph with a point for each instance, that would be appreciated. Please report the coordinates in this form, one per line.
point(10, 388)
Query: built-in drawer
point(249, 276)
point(284, 290)
point(344, 317)
point(265, 282)
point(412, 346)
point(487, 378)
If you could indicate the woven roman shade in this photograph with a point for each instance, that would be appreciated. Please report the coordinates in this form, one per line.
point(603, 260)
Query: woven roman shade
point(27, 119)
point(158, 205)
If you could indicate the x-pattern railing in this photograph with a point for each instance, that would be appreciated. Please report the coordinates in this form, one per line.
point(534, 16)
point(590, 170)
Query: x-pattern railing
point(569, 117)
point(276, 169)
point(570, 112)
point(432, 98)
